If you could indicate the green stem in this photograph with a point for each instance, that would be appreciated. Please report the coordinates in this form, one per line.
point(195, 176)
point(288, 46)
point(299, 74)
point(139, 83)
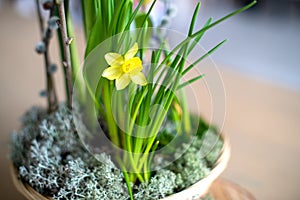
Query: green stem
point(126, 177)
point(113, 130)
point(185, 113)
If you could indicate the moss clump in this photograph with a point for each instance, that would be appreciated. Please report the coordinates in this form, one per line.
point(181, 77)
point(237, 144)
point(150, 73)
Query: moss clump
point(190, 167)
point(50, 157)
point(91, 181)
point(52, 160)
point(160, 185)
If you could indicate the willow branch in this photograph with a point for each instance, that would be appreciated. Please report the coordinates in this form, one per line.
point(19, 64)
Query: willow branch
point(66, 49)
point(46, 35)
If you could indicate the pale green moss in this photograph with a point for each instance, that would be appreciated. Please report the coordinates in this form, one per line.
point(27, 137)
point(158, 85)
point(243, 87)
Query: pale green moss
point(51, 158)
point(160, 185)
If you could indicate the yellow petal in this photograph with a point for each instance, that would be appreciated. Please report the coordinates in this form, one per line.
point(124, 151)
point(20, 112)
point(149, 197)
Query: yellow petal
point(139, 79)
point(122, 82)
point(114, 59)
point(112, 73)
point(131, 52)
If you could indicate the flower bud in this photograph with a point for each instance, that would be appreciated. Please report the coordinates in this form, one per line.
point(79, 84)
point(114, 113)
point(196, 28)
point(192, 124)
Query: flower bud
point(52, 68)
point(165, 22)
point(53, 23)
point(43, 93)
point(40, 47)
point(172, 11)
point(47, 4)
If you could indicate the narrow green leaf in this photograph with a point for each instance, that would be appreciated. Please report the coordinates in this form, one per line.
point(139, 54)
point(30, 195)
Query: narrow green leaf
point(224, 18)
point(201, 31)
point(96, 36)
point(89, 16)
point(129, 22)
point(198, 38)
point(192, 25)
point(124, 16)
point(133, 15)
point(115, 20)
point(148, 13)
point(204, 56)
point(189, 82)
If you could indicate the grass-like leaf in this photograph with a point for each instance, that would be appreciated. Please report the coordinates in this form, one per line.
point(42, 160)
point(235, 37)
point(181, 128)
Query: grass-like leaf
point(203, 57)
point(189, 82)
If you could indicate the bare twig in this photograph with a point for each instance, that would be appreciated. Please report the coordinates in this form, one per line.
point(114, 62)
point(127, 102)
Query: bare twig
point(40, 18)
point(46, 35)
point(66, 49)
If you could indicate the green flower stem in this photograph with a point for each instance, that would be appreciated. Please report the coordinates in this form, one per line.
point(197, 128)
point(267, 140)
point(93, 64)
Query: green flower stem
point(131, 160)
point(129, 143)
point(185, 113)
point(151, 140)
point(120, 118)
point(94, 98)
point(136, 110)
point(113, 130)
point(138, 142)
point(97, 97)
point(136, 174)
point(169, 98)
point(126, 177)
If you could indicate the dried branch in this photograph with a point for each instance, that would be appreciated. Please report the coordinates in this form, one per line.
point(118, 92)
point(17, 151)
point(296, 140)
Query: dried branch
point(46, 36)
point(66, 49)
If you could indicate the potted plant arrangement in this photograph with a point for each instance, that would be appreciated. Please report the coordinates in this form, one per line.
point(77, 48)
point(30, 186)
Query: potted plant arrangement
point(125, 130)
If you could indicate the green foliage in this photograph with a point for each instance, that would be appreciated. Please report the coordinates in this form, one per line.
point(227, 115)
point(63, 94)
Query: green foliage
point(47, 150)
point(147, 105)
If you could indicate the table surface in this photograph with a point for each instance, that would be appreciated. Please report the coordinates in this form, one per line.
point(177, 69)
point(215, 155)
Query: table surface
point(262, 120)
point(223, 189)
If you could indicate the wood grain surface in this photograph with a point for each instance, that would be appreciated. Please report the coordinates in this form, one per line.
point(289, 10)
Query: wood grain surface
point(223, 189)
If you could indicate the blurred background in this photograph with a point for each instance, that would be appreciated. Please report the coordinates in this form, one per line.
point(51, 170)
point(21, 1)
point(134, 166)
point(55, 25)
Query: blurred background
point(260, 67)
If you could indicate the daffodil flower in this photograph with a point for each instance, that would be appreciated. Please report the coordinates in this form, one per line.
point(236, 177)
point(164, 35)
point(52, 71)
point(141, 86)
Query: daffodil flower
point(125, 68)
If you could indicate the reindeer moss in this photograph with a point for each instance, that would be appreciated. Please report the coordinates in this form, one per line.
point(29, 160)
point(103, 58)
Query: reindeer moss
point(50, 157)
